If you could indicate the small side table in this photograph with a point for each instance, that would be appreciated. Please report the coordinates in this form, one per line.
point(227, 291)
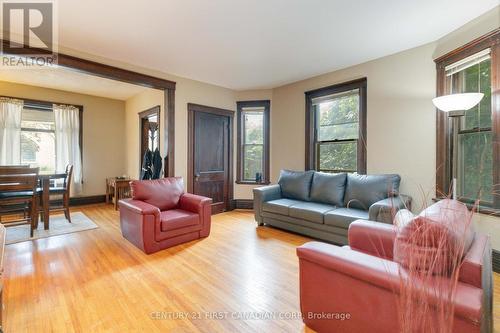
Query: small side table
point(117, 189)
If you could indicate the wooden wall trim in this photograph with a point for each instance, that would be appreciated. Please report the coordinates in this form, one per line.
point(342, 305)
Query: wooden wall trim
point(242, 204)
point(470, 48)
point(209, 109)
point(86, 200)
point(103, 70)
point(155, 110)
point(266, 104)
point(310, 121)
point(119, 74)
point(443, 127)
point(169, 137)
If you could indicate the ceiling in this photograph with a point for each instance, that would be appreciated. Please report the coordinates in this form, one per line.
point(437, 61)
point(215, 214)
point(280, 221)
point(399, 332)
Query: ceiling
point(68, 80)
point(248, 44)
point(243, 44)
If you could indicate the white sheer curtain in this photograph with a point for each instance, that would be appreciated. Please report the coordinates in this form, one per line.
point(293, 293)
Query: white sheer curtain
point(67, 124)
point(10, 131)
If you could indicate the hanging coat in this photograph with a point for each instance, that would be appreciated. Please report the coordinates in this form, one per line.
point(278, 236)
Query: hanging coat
point(157, 164)
point(147, 163)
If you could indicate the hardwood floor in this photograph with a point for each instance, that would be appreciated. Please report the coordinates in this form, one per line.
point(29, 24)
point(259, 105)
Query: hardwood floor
point(96, 281)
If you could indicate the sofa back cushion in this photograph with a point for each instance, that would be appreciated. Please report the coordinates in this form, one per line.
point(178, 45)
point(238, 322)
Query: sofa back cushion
point(328, 188)
point(364, 190)
point(163, 193)
point(296, 184)
point(435, 241)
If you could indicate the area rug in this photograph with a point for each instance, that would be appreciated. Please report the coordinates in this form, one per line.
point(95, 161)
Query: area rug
point(58, 226)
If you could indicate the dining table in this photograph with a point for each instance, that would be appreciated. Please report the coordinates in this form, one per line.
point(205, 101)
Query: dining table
point(45, 179)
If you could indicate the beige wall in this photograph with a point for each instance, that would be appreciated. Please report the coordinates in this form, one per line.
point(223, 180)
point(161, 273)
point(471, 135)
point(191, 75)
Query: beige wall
point(401, 119)
point(103, 132)
point(187, 91)
point(133, 106)
point(476, 28)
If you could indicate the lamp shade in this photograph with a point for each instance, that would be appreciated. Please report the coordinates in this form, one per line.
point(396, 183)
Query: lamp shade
point(457, 102)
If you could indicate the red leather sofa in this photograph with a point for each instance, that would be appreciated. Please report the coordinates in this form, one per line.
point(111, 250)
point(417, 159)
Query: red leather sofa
point(358, 286)
point(160, 215)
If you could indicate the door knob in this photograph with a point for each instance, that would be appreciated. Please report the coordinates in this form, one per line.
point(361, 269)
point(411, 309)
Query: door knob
point(197, 175)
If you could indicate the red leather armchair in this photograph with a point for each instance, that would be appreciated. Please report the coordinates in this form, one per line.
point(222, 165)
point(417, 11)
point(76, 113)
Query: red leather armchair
point(358, 285)
point(160, 215)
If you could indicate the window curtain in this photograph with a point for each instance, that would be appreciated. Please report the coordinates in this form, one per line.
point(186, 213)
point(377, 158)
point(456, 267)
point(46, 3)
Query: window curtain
point(67, 130)
point(10, 131)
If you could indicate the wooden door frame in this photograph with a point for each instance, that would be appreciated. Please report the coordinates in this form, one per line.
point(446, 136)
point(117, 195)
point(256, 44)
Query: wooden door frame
point(192, 108)
point(127, 76)
point(155, 110)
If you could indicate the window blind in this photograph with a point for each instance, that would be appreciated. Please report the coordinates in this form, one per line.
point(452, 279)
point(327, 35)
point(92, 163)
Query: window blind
point(467, 62)
point(331, 97)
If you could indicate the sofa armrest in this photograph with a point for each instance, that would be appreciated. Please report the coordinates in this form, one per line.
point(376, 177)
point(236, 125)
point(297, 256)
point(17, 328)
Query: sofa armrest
point(138, 207)
point(261, 195)
point(201, 206)
point(193, 203)
point(343, 264)
point(372, 270)
point(137, 223)
point(385, 210)
point(373, 238)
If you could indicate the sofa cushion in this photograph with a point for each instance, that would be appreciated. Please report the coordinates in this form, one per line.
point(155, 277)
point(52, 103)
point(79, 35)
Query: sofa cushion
point(342, 217)
point(310, 211)
point(435, 241)
point(163, 193)
point(279, 206)
point(328, 188)
point(364, 190)
point(177, 218)
point(295, 184)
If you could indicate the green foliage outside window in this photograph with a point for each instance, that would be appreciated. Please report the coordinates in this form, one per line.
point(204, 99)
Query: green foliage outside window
point(475, 149)
point(253, 144)
point(338, 120)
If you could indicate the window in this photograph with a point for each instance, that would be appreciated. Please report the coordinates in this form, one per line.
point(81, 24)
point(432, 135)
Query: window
point(253, 142)
point(336, 128)
point(469, 69)
point(38, 146)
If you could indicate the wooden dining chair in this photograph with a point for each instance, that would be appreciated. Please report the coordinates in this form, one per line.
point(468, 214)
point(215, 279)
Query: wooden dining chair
point(19, 189)
point(9, 209)
point(64, 191)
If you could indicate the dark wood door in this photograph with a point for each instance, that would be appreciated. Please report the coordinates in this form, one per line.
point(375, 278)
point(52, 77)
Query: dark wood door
point(211, 153)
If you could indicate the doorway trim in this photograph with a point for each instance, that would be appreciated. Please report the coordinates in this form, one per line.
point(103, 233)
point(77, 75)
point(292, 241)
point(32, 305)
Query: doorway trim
point(119, 74)
point(155, 110)
point(192, 108)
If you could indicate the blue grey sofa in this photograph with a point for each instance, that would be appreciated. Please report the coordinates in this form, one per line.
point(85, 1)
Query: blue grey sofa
point(322, 205)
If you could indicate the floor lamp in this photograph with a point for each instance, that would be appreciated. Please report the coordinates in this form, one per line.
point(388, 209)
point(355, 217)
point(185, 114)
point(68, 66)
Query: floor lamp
point(455, 106)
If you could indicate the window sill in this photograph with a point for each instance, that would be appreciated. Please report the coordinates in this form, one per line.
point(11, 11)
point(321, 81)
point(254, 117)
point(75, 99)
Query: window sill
point(249, 182)
point(478, 209)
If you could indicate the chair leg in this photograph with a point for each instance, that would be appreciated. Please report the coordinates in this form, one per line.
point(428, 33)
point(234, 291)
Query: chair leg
point(67, 214)
point(66, 207)
point(37, 213)
point(34, 211)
